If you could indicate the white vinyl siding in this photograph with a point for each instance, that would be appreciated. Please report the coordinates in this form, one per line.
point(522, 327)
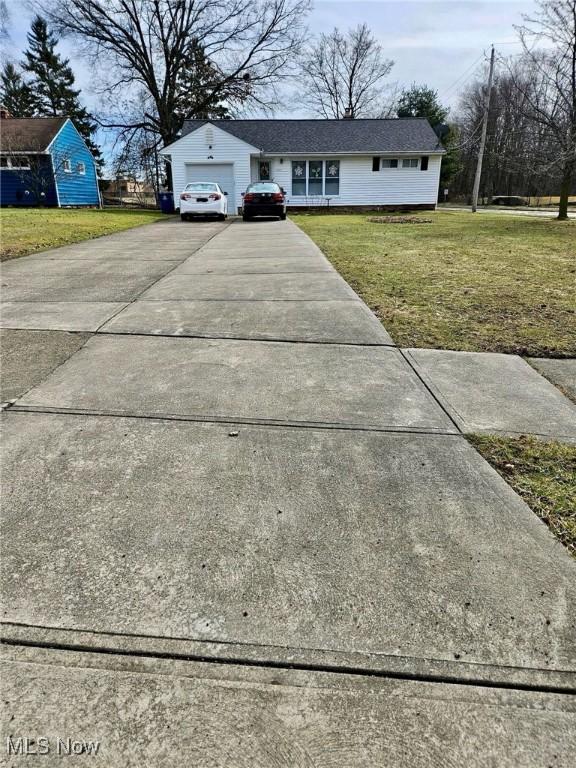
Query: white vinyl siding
point(359, 185)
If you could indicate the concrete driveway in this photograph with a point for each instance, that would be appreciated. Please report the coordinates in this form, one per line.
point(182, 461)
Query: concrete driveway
point(241, 529)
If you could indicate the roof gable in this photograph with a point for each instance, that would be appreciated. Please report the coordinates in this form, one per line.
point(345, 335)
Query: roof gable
point(330, 136)
point(30, 134)
point(195, 125)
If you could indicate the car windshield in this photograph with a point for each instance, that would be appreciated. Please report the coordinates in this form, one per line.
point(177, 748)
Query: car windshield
point(264, 187)
point(202, 186)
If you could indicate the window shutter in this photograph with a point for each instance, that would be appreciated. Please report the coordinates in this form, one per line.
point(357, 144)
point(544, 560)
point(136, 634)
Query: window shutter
point(424, 163)
point(375, 163)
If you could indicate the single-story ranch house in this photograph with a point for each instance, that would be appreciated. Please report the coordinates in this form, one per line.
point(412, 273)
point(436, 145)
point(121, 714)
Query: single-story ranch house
point(388, 163)
point(45, 161)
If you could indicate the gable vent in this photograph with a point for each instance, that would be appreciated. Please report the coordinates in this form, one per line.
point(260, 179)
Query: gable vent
point(209, 134)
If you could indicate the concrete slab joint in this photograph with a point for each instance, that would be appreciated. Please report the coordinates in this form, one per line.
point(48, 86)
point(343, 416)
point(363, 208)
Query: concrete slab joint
point(243, 529)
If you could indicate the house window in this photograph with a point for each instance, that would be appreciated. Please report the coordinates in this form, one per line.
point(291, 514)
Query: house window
point(315, 177)
point(410, 162)
point(81, 168)
point(389, 162)
point(66, 166)
point(332, 182)
point(299, 178)
point(15, 163)
point(264, 170)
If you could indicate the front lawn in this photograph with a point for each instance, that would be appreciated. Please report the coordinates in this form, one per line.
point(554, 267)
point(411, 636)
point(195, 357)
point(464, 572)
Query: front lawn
point(543, 473)
point(27, 230)
point(481, 283)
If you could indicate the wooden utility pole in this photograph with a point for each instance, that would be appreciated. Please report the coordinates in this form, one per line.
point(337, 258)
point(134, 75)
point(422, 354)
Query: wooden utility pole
point(483, 136)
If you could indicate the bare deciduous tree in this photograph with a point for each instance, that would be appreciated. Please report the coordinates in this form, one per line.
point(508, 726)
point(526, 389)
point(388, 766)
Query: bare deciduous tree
point(519, 157)
point(137, 164)
point(4, 21)
point(345, 72)
point(149, 45)
point(550, 101)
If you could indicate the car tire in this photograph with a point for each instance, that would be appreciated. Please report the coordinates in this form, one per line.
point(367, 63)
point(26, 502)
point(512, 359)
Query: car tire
point(221, 217)
point(245, 217)
point(282, 217)
point(183, 217)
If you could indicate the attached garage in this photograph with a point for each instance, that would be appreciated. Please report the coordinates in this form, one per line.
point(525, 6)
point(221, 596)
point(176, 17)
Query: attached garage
point(221, 173)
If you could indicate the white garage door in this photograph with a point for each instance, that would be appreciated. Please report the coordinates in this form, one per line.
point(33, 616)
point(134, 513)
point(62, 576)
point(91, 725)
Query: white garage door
point(221, 173)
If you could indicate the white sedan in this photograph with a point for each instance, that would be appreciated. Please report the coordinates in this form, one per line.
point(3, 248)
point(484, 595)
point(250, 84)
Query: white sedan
point(203, 198)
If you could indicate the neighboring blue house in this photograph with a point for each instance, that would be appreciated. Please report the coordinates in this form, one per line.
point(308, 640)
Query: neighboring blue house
point(45, 161)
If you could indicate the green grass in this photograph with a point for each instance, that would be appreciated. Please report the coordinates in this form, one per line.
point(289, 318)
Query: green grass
point(543, 473)
point(27, 230)
point(479, 283)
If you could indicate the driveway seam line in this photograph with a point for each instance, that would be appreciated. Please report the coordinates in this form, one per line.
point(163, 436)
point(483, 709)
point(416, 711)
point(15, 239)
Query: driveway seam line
point(247, 421)
point(38, 383)
point(297, 666)
point(150, 285)
point(430, 391)
point(374, 344)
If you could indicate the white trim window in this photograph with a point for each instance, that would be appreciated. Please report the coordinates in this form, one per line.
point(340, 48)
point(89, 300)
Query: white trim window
point(315, 178)
point(66, 166)
point(15, 163)
point(81, 168)
point(410, 162)
point(388, 162)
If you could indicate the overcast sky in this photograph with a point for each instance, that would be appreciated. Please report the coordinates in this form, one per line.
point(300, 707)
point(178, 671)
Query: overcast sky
point(440, 44)
point(431, 42)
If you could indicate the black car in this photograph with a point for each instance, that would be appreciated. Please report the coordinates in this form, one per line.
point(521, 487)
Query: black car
point(264, 198)
point(508, 200)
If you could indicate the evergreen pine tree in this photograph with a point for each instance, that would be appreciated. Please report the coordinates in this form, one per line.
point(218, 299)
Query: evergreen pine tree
point(198, 93)
point(421, 101)
point(52, 81)
point(16, 95)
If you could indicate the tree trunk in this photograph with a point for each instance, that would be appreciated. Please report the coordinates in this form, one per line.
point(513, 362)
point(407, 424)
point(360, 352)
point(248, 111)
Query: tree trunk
point(168, 170)
point(565, 190)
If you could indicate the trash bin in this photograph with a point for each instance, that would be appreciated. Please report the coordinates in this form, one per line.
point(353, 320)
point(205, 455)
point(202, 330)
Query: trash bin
point(166, 202)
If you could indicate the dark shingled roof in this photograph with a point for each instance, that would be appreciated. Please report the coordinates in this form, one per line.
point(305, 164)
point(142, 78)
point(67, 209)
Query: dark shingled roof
point(333, 136)
point(28, 134)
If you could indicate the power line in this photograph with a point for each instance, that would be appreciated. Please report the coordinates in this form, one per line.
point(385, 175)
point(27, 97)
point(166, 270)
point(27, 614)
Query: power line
point(469, 139)
point(466, 71)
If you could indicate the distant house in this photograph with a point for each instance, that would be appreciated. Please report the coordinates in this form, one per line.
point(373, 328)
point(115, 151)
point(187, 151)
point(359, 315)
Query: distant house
point(45, 161)
point(129, 187)
point(338, 163)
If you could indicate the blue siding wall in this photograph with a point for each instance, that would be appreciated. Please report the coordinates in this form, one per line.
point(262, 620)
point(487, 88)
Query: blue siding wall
point(74, 188)
point(15, 184)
